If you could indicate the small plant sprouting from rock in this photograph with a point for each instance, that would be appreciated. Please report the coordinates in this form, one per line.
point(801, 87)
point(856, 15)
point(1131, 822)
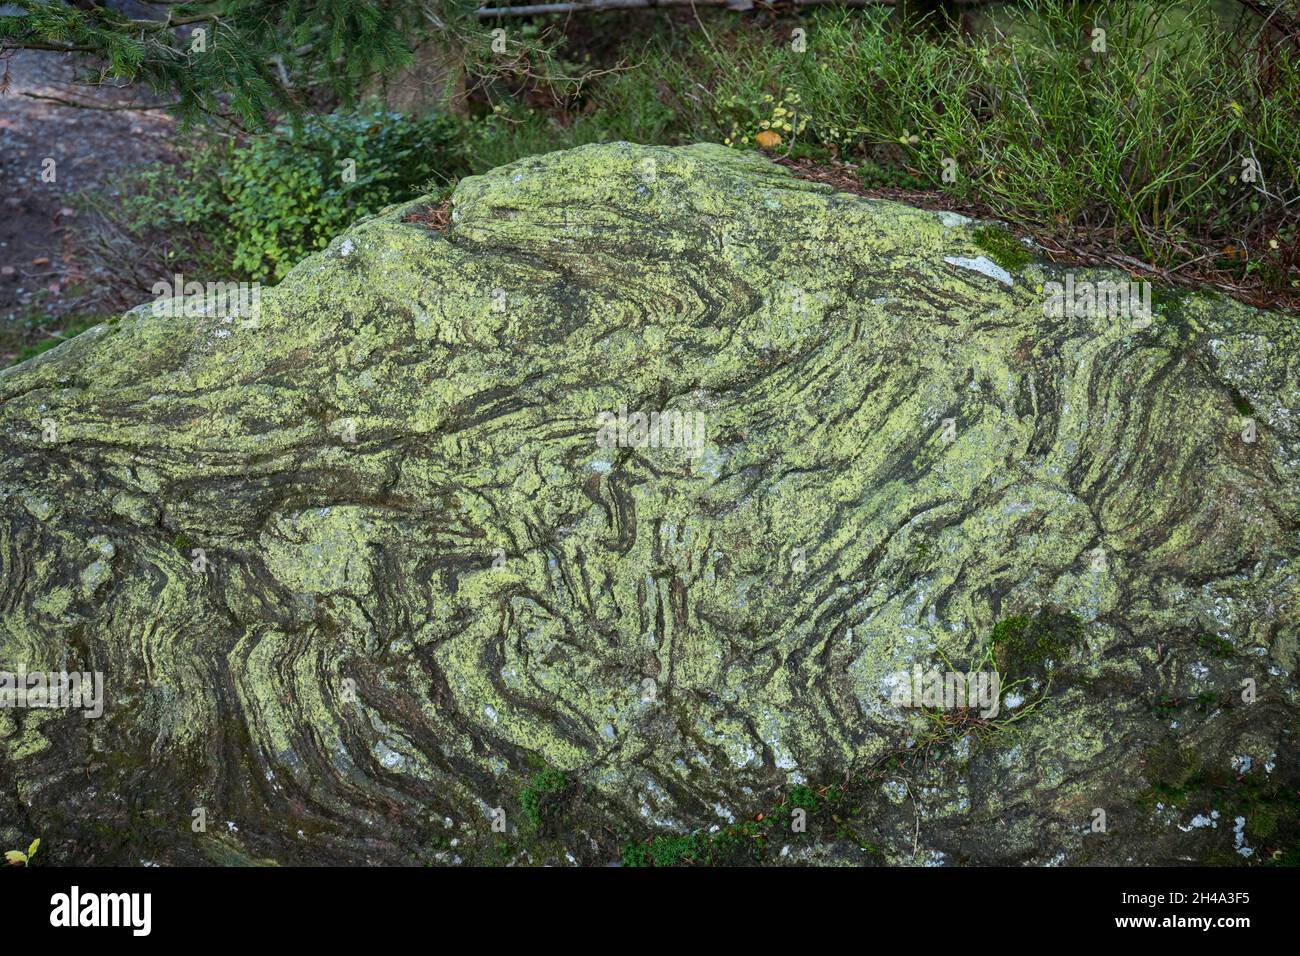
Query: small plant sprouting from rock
point(804, 797)
point(737, 843)
point(1023, 652)
point(19, 858)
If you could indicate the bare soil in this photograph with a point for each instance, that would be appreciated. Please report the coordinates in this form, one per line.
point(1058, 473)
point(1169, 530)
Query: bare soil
point(43, 280)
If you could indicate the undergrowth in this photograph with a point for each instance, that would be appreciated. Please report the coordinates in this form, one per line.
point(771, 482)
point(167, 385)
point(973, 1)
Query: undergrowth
point(1176, 139)
point(1182, 135)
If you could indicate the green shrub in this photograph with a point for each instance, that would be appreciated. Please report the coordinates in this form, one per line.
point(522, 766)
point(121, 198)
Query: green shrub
point(287, 194)
point(255, 209)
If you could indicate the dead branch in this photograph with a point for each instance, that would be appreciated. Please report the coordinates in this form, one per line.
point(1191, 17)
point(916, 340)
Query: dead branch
point(604, 6)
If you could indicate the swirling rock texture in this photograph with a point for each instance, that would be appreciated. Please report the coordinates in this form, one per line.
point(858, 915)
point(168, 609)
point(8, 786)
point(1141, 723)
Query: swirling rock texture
point(361, 573)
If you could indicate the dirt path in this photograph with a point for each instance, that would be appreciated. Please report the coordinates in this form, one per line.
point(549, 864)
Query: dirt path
point(49, 152)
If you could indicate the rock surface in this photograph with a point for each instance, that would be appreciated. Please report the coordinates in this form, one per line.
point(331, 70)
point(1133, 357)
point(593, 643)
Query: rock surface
point(361, 572)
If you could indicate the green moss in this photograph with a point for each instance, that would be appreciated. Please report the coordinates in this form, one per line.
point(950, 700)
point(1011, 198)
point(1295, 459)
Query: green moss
point(1002, 247)
point(735, 844)
point(1168, 298)
point(1170, 766)
point(1166, 707)
point(1288, 857)
point(667, 851)
point(543, 797)
point(1170, 771)
point(740, 843)
point(1034, 646)
point(1271, 808)
point(873, 175)
point(805, 798)
point(1218, 646)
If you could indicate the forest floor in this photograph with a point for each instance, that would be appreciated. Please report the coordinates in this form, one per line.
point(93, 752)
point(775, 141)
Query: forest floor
point(48, 152)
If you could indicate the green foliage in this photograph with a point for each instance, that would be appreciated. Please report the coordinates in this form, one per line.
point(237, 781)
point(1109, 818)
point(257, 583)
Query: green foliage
point(261, 207)
point(1144, 141)
point(1170, 769)
point(287, 195)
point(1218, 646)
point(19, 858)
point(543, 796)
point(735, 844)
point(804, 797)
point(873, 174)
point(253, 60)
point(667, 851)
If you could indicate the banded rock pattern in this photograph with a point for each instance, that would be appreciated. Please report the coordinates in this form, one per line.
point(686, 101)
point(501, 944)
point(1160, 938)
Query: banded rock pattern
point(423, 580)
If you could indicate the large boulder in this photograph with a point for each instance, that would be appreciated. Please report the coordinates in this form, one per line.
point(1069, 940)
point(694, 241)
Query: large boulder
point(395, 573)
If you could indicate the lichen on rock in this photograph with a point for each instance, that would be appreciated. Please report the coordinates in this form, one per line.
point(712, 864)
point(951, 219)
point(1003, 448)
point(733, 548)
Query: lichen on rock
point(359, 574)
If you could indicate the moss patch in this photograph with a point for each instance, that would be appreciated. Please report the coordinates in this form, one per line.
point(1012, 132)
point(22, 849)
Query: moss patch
point(738, 843)
point(544, 797)
point(1218, 646)
point(1034, 646)
point(1002, 247)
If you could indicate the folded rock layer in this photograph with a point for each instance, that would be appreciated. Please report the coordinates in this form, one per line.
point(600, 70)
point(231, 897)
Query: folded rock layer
point(391, 558)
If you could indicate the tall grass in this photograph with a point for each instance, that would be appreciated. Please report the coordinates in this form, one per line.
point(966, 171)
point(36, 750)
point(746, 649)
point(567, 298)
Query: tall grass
point(1141, 144)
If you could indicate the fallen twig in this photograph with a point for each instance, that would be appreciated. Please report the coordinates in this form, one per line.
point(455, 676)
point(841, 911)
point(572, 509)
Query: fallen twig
point(603, 6)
